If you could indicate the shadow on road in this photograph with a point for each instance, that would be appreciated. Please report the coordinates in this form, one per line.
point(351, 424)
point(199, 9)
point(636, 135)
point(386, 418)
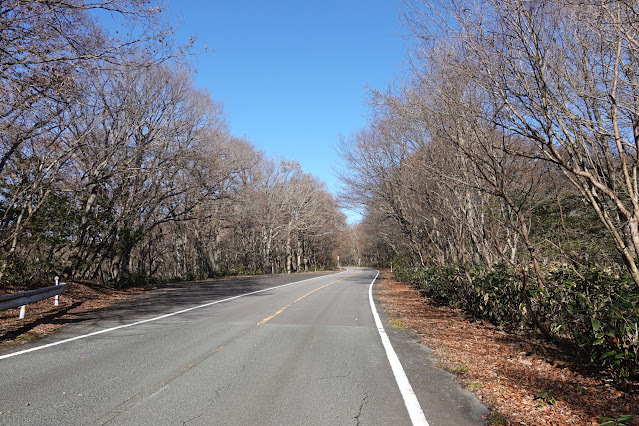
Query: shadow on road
point(180, 296)
point(155, 302)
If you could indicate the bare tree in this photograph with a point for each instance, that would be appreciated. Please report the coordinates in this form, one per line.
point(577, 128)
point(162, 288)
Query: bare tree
point(113, 166)
point(47, 45)
point(563, 75)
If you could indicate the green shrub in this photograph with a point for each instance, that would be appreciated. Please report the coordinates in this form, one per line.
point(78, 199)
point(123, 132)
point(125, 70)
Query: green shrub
point(595, 310)
point(599, 312)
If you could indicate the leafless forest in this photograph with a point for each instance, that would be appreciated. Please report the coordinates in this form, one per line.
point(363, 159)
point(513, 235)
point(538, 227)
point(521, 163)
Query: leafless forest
point(502, 175)
point(114, 167)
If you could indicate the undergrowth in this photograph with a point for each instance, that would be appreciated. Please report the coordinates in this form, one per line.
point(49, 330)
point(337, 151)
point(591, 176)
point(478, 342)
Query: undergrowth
point(593, 310)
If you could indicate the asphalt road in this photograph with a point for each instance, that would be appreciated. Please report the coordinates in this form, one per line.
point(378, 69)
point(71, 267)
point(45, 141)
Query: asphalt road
point(289, 353)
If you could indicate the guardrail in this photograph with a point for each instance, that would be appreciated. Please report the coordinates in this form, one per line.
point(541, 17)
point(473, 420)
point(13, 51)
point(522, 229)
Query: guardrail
point(23, 298)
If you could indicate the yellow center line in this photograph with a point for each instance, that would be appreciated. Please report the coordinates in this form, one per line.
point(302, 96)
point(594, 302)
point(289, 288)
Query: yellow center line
point(300, 298)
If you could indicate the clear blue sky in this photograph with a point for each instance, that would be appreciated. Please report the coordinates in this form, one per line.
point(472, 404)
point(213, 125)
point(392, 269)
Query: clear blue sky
point(293, 74)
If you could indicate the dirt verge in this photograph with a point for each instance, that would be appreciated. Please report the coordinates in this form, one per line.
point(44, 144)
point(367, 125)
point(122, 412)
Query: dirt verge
point(43, 319)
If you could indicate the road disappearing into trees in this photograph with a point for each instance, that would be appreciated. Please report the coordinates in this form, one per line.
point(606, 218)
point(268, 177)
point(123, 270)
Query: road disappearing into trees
point(301, 350)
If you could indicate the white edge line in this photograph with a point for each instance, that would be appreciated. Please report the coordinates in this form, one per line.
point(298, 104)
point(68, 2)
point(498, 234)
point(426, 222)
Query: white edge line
point(412, 404)
point(106, 330)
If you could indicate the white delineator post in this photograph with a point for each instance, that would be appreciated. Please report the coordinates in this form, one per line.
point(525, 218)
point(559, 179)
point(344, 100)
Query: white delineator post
point(56, 300)
point(23, 311)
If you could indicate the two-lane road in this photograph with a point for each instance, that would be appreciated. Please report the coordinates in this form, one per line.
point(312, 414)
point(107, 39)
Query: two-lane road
point(308, 352)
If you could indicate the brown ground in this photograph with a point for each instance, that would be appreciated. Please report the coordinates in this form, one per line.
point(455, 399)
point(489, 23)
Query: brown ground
point(524, 380)
point(43, 319)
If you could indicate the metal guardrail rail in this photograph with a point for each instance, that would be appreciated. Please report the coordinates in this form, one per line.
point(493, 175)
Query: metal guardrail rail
point(23, 298)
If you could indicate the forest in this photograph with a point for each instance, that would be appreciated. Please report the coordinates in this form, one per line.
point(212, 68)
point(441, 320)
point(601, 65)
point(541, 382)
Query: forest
point(116, 168)
point(500, 176)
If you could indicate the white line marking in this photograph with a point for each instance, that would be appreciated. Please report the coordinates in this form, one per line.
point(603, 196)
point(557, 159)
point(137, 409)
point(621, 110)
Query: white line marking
point(106, 330)
point(412, 404)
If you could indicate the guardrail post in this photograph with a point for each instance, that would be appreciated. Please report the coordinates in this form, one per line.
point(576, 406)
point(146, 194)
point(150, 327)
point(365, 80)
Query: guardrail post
point(56, 300)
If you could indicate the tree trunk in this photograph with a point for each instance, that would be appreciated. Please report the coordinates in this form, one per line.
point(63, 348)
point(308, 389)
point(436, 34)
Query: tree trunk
point(289, 254)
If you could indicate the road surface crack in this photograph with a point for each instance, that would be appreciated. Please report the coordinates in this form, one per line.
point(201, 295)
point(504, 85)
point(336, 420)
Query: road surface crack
point(361, 407)
point(218, 391)
point(216, 394)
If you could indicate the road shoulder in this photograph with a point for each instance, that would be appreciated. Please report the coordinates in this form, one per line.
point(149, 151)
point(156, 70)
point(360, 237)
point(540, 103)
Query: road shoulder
point(443, 400)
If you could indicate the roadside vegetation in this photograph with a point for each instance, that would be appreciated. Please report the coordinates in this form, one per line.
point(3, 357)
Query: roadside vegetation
point(521, 377)
point(501, 176)
point(116, 168)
